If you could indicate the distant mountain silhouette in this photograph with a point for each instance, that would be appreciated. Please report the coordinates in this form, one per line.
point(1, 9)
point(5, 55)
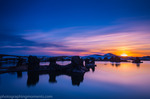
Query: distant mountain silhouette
point(109, 55)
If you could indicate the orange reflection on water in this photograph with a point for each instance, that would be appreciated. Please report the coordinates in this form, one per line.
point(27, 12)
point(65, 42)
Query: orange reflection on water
point(123, 73)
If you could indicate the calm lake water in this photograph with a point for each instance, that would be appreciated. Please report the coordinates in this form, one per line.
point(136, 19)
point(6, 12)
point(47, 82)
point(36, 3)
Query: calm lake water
point(109, 80)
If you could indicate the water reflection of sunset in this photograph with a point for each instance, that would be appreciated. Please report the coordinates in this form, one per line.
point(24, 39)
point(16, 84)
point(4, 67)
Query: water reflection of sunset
point(124, 73)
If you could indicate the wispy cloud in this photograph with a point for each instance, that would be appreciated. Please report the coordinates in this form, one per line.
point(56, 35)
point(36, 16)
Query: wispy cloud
point(131, 37)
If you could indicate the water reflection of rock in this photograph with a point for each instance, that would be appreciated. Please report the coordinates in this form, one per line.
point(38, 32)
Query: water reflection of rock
point(33, 77)
point(138, 64)
point(19, 74)
point(117, 64)
point(93, 68)
point(77, 79)
point(0, 64)
point(52, 78)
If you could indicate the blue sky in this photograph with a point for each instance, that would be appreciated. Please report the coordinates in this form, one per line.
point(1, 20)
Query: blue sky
point(71, 27)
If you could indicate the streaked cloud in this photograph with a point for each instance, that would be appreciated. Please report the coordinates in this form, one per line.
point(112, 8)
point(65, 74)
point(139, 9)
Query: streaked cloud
point(131, 38)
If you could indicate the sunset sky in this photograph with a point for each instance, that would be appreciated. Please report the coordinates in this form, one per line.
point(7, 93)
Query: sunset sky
point(75, 27)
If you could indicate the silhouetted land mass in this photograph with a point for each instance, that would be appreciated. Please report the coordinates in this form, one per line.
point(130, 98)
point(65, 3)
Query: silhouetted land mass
point(76, 69)
point(106, 57)
point(32, 63)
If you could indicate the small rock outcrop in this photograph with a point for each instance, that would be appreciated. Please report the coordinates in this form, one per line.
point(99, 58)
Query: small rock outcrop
point(115, 59)
point(52, 61)
point(75, 66)
point(33, 63)
point(20, 62)
point(90, 61)
point(76, 62)
point(90, 64)
point(137, 60)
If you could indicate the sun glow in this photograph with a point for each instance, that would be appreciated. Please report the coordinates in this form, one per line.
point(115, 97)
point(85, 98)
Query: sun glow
point(124, 54)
